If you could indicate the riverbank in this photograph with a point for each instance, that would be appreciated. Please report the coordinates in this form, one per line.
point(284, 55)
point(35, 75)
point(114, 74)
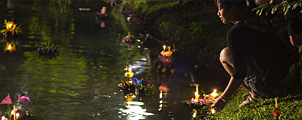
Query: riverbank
point(197, 32)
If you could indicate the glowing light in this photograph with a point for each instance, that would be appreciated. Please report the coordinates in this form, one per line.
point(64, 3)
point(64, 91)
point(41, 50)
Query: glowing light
point(196, 96)
point(164, 48)
point(3, 118)
point(194, 113)
point(214, 93)
point(161, 94)
point(17, 115)
point(213, 110)
point(10, 25)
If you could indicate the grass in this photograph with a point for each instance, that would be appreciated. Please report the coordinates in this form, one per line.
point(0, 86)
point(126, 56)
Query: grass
point(288, 107)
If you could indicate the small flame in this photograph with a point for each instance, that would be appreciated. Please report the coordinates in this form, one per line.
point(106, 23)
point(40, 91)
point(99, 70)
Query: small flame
point(17, 115)
point(213, 111)
point(214, 93)
point(164, 47)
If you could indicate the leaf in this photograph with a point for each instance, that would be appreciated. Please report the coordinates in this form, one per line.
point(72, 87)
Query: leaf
point(275, 8)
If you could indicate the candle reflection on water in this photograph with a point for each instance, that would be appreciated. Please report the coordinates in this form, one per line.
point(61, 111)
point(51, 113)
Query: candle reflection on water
point(134, 109)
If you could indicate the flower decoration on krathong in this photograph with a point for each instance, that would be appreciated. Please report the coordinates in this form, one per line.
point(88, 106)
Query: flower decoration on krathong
point(48, 50)
point(129, 39)
point(205, 102)
point(10, 46)
point(165, 53)
point(144, 87)
point(127, 85)
point(11, 28)
point(17, 111)
point(102, 13)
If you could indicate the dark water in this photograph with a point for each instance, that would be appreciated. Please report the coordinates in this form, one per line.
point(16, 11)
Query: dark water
point(83, 78)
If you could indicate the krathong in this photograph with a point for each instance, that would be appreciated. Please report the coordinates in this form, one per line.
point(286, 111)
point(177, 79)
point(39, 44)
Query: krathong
point(11, 29)
point(17, 111)
point(164, 63)
point(129, 39)
point(102, 14)
point(203, 103)
point(48, 50)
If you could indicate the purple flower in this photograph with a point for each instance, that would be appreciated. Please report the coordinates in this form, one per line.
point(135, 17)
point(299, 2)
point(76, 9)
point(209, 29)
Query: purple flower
point(25, 99)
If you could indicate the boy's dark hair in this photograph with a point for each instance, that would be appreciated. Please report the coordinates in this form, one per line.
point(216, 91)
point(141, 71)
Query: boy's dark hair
point(240, 4)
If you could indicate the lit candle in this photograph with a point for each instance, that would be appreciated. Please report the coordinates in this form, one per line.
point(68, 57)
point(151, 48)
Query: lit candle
point(164, 47)
point(276, 102)
point(169, 48)
point(196, 96)
point(194, 113)
point(3, 118)
point(161, 94)
point(10, 25)
point(17, 115)
point(213, 110)
point(214, 93)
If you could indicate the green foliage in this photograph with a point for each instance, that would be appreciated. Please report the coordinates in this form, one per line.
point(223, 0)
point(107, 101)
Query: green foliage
point(285, 6)
point(263, 109)
point(187, 23)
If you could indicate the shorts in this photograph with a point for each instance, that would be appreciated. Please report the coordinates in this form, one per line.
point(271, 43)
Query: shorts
point(253, 80)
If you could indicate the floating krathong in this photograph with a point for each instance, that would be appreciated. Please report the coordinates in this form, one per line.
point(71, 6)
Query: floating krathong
point(203, 103)
point(164, 64)
point(144, 87)
point(17, 111)
point(102, 14)
point(129, 39)
point(11, 29)
point(48, 50)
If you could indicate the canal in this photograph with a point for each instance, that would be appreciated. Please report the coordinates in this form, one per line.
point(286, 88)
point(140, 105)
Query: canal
point(81, 82)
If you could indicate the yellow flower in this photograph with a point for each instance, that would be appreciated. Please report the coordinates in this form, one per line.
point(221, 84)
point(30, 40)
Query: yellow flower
point(163, 70)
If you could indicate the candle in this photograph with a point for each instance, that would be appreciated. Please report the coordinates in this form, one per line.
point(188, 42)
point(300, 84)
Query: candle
point(17, 115)
point(197, 89)
point(14, 112)
point(196, 96)
point(276, 102)
point(164, 47)
point(169, 48)
point(194, 113)
point(214, 93)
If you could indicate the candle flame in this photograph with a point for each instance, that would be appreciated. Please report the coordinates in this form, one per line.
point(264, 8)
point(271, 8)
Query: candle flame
point(196, 96)
point(10, 25)
point(3, 118)
point(213, 110)
point(17, 115)
point(164, 47)
point(214, 93)
point(194, 113)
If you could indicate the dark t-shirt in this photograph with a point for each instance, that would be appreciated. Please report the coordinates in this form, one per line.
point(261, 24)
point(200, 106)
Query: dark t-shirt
point(263, 51)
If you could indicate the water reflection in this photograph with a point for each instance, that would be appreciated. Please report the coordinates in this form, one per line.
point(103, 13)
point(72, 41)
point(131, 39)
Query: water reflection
point(133, 109)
